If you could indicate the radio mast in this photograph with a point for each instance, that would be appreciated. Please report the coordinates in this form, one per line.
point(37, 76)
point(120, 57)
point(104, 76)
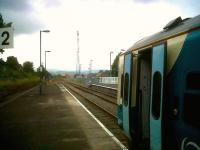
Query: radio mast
point(90, 67)
point(77, 56)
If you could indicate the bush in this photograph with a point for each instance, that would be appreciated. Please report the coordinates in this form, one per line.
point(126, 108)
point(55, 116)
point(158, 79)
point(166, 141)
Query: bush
point(11, 86)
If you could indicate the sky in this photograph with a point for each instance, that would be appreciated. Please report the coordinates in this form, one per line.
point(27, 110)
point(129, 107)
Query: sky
point(103, 25)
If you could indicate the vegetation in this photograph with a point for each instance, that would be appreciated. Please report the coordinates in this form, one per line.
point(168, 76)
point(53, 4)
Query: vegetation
point(14, 76)
point(114, 71)
point(9, 85)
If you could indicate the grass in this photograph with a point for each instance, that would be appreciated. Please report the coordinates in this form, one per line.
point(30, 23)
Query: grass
point(14, 85)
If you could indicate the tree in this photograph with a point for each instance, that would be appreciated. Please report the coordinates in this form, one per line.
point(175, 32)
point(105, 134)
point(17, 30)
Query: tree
point(2, 63)
point(2, 67)
point(114, 71)
point(3, 24)
point(11, 69)
point(41, 71)
point(28, 67)
point(12, 63)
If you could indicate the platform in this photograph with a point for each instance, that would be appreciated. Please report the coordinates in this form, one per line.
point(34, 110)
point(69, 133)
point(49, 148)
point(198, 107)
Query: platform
point(53, 120)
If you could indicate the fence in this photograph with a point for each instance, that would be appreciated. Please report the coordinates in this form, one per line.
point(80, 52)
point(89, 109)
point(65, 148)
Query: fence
point(108, 80)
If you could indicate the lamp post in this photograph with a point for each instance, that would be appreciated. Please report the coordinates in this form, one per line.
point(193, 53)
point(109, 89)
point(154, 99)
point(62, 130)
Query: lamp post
point(46, 64)
point(46, 59)
point(110, 63)
point(46, 31)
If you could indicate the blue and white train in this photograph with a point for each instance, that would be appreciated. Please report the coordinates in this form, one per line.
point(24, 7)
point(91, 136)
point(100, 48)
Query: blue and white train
point(159, 88)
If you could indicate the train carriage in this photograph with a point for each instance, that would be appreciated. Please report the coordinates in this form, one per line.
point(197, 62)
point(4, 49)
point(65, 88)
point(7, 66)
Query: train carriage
point(159, 88)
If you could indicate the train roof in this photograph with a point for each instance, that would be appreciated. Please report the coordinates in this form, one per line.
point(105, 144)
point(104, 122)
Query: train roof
point(173, 28)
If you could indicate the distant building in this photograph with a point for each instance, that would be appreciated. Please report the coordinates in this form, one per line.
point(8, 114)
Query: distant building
point(79, 76)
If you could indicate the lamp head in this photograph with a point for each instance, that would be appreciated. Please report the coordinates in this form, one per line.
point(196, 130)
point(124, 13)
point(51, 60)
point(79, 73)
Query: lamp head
point(45, 31)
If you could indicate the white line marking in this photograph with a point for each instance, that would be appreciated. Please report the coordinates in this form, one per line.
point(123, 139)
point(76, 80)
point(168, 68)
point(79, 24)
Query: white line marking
point(12, 99)
point(105, 86)
point(62, 87)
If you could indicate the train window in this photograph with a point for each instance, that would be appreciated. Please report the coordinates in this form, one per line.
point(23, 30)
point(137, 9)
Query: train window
point(191, 109)
point(193, 81)
point(156, 97)
point(126, 89)
point(122, 84)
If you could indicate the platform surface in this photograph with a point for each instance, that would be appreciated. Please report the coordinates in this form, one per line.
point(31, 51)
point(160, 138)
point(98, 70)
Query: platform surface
point(51, 121)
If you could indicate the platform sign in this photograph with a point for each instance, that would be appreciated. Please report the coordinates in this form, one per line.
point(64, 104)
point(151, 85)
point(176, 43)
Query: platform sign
point(6, 38)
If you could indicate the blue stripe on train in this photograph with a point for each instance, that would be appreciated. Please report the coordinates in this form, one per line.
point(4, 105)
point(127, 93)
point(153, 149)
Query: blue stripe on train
point(179, 130)
point(120, 115)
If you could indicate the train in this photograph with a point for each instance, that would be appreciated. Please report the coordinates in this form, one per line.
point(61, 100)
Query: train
point(159, 88)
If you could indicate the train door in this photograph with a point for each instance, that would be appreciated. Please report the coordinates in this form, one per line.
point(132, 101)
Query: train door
point(127, 92)
point(120, 90)
point(157, 79)
point(143, 100)
point(133, 107)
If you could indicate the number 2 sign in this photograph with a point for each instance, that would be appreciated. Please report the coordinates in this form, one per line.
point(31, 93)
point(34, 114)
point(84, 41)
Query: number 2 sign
point(6, 38)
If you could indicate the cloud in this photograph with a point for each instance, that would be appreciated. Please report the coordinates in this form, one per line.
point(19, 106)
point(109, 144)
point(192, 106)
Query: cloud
point(189, 8)
point(145, 1)
point(23, 23)
point(27, 5)
point(23, 15)
point(50, 3)
point(15, 5)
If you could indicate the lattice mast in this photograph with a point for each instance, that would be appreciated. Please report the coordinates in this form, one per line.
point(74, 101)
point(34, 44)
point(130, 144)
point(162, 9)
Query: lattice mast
point(78, 68)
point(90, 67)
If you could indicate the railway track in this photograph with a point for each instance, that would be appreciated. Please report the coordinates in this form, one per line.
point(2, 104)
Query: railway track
point(102, 95)
point(97, 89)
point(102, 109)
point(100, 101)
point(104, 89)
